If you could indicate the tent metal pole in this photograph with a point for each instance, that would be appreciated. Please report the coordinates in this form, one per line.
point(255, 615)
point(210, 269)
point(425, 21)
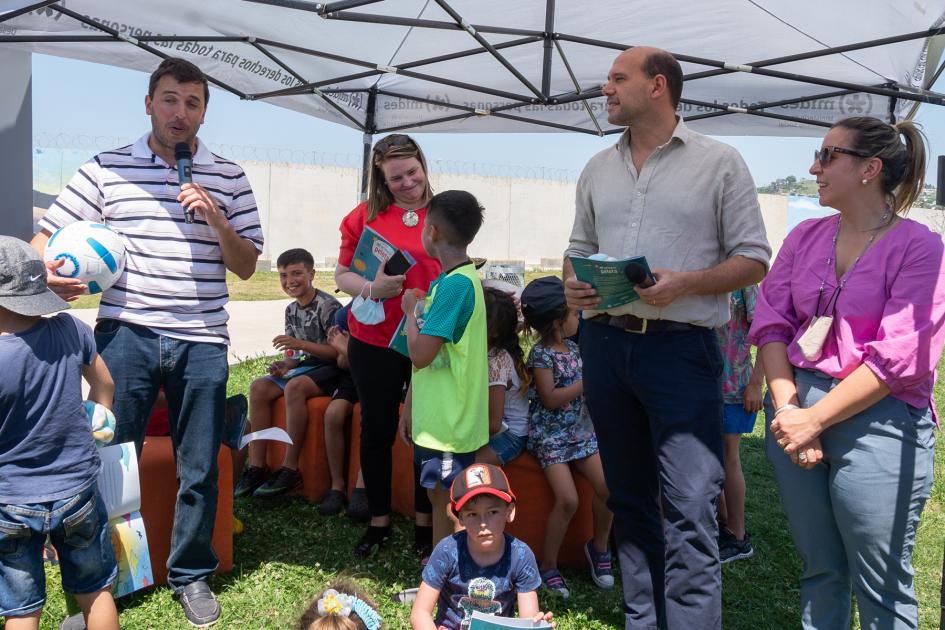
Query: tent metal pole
point(824, 52)
point(577, 87)
point(31, 7)
point(367, 140)
point(301, 79)
point(549, 40)
point(891, 111)
point(403, 21)
point(468, 86)
point(489, 47)
point(290, 4)
point(341, 5)
point(788, 76)
point(301, 89)
point(468, 53)
point(140, 44)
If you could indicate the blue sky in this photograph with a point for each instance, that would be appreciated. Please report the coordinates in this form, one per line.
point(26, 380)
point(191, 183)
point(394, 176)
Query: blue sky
point(81, 98)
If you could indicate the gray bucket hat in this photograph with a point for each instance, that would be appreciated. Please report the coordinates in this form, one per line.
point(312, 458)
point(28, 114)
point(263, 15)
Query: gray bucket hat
point(23, 288)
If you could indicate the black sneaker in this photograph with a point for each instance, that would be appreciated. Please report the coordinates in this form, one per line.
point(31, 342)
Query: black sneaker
point(332, 503)
point(282, 481)
point(200, 605)
point(731, 548)
point(252, 478)
point(358, 509)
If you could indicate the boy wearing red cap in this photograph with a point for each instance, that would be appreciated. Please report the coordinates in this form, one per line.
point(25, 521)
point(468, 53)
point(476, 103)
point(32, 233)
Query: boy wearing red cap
point(480, 568)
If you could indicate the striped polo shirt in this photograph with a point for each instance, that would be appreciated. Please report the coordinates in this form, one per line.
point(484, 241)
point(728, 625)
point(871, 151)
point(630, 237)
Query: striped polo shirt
point(174, 280)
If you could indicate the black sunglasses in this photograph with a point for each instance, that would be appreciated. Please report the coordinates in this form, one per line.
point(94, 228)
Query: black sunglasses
point(824, 154)
point(393, 140)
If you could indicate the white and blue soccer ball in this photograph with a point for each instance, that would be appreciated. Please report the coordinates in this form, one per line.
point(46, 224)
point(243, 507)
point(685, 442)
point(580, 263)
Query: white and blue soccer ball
point(93, 253)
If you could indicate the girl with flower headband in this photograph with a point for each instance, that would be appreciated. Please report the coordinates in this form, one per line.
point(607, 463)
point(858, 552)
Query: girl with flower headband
point(342, 606)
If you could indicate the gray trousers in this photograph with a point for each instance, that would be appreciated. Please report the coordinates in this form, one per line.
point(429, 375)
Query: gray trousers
point(854, 516)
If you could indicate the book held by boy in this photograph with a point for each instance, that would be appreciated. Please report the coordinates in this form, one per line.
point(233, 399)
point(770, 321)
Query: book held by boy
point(482, 621)
point(609, 277)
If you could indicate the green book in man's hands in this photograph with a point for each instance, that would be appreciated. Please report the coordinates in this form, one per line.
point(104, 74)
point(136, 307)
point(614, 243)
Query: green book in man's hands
point(610, 279)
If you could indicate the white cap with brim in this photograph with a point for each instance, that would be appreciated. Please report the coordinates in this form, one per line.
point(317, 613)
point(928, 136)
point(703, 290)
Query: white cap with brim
point(23, 287)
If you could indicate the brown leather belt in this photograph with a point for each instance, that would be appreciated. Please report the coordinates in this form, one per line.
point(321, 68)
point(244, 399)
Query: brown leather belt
point(633, 324)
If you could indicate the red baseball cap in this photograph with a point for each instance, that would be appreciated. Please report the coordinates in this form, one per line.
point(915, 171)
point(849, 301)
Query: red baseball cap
point(480, 479)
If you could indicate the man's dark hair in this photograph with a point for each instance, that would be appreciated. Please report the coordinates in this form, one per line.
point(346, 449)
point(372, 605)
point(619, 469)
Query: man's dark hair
point(183, 72)
point(661, 62)
point(294, 256)
point(457, 214)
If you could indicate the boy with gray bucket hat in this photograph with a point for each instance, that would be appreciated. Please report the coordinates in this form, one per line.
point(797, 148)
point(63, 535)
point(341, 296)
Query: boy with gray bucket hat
point(48, 461)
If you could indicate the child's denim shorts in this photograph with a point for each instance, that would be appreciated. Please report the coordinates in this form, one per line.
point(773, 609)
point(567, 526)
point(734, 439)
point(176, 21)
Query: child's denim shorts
point(438, 468)
point(78, 528)
point(737, 420)
point(507, 446)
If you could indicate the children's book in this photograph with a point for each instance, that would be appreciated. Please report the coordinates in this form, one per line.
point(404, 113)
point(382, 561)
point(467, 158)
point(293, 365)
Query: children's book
point(482, 621)
point(398, 341)
point(118, 484)
point(372, 251)
point(609, 278)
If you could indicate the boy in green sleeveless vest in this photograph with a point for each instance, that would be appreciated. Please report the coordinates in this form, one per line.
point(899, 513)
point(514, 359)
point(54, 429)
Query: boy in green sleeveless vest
point(447, 408)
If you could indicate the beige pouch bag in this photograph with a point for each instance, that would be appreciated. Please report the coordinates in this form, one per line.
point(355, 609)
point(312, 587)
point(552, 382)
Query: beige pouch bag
point(812, 341)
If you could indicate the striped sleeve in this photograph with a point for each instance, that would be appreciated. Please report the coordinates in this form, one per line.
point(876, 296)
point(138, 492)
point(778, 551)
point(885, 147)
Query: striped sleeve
point(241, 210)
point(80, 200)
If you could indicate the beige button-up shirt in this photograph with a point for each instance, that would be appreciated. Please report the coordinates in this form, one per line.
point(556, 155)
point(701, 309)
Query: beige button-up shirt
point(691, 206)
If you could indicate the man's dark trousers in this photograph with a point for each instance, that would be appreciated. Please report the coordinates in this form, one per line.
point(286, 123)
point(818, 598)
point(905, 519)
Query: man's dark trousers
point(656, 403)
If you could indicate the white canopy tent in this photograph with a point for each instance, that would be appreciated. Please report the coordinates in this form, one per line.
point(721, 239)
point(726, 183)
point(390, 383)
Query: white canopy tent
point(753, 67)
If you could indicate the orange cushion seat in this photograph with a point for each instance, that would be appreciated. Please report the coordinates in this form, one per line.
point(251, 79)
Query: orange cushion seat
point(535, 501)
point(159, 486)
point(402, 482)
point(313, 462)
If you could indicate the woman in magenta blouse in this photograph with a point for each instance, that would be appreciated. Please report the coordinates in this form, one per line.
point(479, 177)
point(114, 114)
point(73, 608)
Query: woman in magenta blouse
point(849, 326)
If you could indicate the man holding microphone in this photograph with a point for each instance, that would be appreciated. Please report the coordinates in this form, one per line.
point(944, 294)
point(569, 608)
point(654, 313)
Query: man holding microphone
point(164, 322)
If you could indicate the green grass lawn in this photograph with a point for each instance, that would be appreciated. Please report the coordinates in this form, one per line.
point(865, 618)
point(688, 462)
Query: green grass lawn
point(288, 553)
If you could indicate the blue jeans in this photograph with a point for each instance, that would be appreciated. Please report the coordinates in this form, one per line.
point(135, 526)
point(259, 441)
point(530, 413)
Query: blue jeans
point(78, 528)
point(656, 403)
point(194, 376)
point(854, 516)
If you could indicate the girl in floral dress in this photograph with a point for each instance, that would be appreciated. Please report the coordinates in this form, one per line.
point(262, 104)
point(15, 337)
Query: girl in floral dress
point(560, 433)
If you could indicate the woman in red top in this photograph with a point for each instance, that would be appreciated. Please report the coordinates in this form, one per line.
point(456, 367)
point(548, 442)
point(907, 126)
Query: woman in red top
point(396, 207)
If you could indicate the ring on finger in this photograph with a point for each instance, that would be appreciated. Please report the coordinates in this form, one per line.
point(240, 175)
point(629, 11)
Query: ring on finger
point(802, 456)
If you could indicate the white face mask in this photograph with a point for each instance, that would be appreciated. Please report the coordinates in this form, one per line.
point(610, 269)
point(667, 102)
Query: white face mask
point(368, 311)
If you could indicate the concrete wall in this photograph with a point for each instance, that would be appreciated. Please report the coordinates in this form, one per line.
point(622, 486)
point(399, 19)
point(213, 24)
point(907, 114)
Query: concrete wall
point(526, 219)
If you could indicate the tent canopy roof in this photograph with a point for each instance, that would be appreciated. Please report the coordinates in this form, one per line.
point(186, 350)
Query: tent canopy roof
point(756, 67)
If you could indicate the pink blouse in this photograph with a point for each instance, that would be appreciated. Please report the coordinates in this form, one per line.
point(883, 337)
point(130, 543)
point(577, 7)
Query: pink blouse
point(889, 314)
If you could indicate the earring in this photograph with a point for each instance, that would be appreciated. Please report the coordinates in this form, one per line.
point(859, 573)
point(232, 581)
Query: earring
point(865, 181)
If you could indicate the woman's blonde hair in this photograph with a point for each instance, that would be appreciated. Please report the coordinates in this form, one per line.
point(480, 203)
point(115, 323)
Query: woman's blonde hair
point(396, 146)
point(903, 174)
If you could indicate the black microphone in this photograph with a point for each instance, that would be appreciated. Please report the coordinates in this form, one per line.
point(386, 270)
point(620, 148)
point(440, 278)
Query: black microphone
point(185, 165)
point(638, 275)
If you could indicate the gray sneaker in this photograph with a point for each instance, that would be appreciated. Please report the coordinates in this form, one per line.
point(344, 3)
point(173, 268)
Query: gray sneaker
point(731, 548)
point(200, 605)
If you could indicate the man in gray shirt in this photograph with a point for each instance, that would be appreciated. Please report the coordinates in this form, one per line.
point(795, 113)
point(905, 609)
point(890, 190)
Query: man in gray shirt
point(652, 368)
